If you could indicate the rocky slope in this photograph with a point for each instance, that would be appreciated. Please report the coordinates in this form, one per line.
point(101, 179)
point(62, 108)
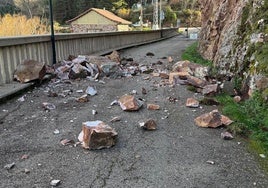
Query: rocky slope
point(234, 36)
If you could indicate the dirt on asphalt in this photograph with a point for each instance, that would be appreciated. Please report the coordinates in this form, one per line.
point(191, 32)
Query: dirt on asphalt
point(175, 155)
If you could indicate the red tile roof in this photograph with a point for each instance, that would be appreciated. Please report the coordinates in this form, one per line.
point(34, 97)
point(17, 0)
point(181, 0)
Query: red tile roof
point(107, 14)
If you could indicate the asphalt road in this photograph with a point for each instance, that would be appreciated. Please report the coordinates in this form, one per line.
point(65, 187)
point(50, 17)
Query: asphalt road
point(175, 155)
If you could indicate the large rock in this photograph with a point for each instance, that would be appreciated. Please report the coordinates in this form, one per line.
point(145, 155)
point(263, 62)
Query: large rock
point(30, 70)
point(129, 103)
point(97, 135)
point(177, 77)
point(210, 89)
point(211, 119)
point(196, 82)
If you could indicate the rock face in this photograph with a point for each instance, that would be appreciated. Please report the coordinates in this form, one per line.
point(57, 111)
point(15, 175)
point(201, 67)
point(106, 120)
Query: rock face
point(234, 36)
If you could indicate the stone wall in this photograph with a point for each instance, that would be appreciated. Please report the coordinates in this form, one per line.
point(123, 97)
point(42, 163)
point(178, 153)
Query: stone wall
point(234, 36)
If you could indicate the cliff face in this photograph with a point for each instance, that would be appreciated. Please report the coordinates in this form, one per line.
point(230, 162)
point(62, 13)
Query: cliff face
point(234, 36)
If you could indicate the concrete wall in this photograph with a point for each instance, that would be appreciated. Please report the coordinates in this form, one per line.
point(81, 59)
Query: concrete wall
point(14, 50)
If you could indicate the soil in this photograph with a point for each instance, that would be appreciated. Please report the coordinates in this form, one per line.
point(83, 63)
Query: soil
point(174, 155)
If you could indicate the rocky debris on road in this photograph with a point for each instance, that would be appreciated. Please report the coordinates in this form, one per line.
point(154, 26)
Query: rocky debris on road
point(143, 91)
point(66, 142)
point(114, 56)
point(192, 103)
point(9, 166)
point(130, 103)
point(30, 70)
point(212, 119)
point(226, 135)
point(225, 120)
point(55, 183)
point(153, 107)
point(25, 156)
point(210, 162)
point(97, 135)
point(149, 125)
point(91, 91)
point(48, 106)
point(83, 98)
point(210, 89)
point(115, 119)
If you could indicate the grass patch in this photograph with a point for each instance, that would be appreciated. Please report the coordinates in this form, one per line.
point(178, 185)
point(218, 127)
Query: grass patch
point(250, 116)
point(191, 53)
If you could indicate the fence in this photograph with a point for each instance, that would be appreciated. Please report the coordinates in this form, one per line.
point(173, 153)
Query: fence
point(14, 50)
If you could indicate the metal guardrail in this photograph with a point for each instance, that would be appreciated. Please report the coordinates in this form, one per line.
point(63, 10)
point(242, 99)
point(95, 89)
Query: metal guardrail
point(14, 50)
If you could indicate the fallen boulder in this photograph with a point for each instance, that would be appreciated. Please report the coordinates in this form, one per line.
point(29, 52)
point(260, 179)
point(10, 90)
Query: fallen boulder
point(129, 103)
point(211, 119)
point(97, 135)
point(30, 70)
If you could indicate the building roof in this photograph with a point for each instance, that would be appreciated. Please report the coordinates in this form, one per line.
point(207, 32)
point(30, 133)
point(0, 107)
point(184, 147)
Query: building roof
point(107, 14)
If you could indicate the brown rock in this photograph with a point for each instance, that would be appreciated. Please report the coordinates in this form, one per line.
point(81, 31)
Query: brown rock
point(97, 135)
point(211, 119)
point(163, 75)
point(30, 70)
point(237, 99)
point(129, 103)
point(226, 136)
point(196, 82)
point(83, 98)
point(225, 120)
point(173, 76)
point(143, 91)
point(193, 103)
point(210, 89)
point(153, 107)
point(114, 56)
point(149, 125)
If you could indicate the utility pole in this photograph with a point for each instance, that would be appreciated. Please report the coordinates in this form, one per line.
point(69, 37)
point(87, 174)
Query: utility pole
point(155, 15)
point(141, 17)
point(52, 33)
point(160, 12)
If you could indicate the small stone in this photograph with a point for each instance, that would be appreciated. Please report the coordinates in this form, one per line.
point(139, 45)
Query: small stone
point(56, 131)
point(115, 119)
point(226, 136)
point(237, 99)
point(9, 166)
point(225, 120)
point(94, 112)
point(210, 162)
point(149, 125)
point(143, 91)
point(262, 155)
point(66, 142)
point(26, 171)
point(192, 103)
point(153, 107)
point(91, 91)
point(55, 183)
point(21, 99)
point(115, 102)
point(163, 75)
point(83, 98)
point(25, 156)
point(80, 91)
point(48, 106)
point(149, 54)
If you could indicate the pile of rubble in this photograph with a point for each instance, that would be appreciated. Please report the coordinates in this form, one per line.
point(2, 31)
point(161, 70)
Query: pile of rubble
point(97, 134)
